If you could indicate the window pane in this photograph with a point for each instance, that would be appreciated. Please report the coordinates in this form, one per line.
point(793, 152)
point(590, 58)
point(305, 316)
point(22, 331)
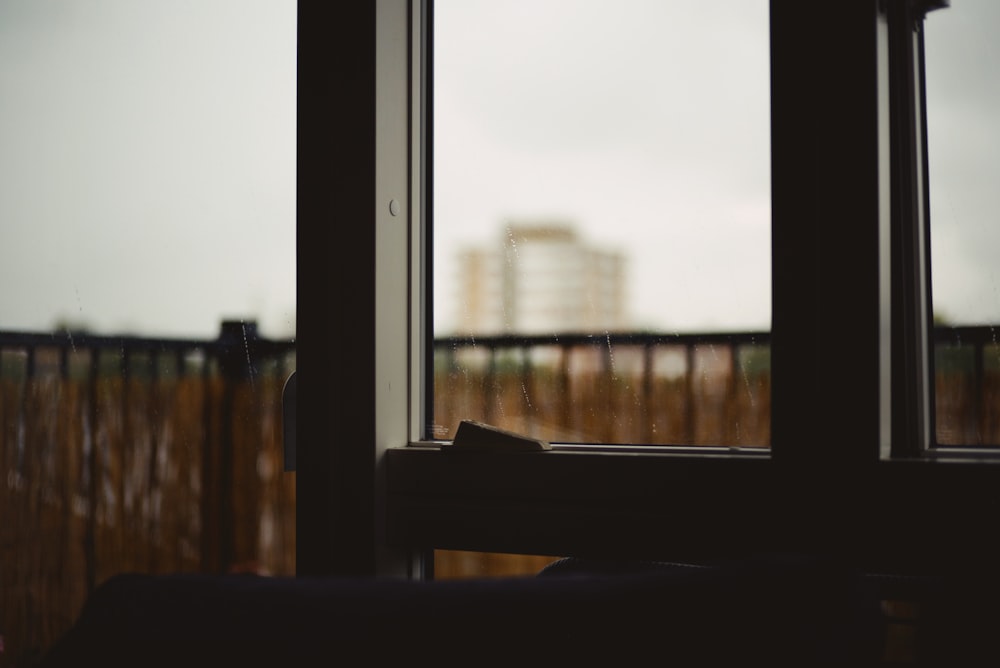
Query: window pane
point(147, 194)
point(963, 105)
point(602, 172)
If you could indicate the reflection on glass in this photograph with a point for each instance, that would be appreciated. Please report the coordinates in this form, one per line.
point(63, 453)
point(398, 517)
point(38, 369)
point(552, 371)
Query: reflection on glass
point(459, 564)
point(963, 108)
point(602, 185)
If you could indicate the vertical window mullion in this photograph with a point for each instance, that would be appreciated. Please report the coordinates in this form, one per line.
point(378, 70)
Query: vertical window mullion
point(825, 257)
point(335, 459)
point(422, 228)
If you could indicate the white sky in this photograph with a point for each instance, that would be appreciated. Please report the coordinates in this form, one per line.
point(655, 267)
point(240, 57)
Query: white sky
point(147, 165)
point(649, 127)
point(147, 154)
point(963, 118)
point(646, 126)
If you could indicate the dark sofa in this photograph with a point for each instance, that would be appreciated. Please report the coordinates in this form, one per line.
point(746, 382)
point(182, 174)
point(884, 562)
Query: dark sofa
point(802, 611)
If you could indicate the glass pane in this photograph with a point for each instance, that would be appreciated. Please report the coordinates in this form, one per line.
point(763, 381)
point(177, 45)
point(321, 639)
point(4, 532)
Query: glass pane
point(963, 105)
point(601, 184)
point(147, 197)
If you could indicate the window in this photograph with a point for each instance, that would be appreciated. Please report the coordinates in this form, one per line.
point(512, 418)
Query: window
point(843, 476)
point(147, 207)
point(601, 185)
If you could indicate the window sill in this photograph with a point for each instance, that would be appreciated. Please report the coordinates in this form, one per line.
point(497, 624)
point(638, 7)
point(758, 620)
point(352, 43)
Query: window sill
point(697, 451)
point(963, 455)
point(678, 506)
point(575, 500)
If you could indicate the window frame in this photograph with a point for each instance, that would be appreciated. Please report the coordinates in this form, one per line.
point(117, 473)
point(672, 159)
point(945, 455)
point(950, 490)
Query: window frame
point(840, 478)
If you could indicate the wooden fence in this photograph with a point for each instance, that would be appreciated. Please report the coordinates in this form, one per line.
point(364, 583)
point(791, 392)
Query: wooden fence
point(165, 455)
point(967, 386)
point(137, 455)
point(681, 389)
point(705, 389)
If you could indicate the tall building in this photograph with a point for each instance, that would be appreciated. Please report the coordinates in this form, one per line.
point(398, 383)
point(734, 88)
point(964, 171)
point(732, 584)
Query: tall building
point(541, 278)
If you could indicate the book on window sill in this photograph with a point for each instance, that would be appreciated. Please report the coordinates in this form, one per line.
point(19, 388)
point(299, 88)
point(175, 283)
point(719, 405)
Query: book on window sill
point(473, 436)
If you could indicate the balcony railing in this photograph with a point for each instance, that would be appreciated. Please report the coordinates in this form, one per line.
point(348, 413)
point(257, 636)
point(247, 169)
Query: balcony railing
point(135, 454)
point(679, 389)
point(967, 385)
point(616, 388)
point(157, 455)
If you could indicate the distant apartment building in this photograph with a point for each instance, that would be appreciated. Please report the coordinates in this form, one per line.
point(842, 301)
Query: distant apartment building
point(541, 278)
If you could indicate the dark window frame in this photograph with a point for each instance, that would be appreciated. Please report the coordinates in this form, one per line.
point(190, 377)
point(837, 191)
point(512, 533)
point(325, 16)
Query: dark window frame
point(842, 479)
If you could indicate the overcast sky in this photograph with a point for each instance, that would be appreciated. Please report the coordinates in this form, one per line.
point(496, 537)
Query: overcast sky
point(147, 164)
point(648, 127)
point(147, 154)
point(963, 118)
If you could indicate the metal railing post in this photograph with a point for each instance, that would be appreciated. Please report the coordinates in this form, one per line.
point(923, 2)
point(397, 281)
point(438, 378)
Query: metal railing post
point(238, 355)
